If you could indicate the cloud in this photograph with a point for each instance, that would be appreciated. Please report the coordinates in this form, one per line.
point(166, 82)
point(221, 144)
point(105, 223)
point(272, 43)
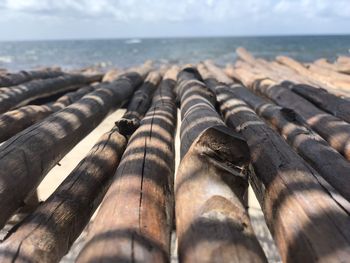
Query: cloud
point(123, 18)
point(180, 10)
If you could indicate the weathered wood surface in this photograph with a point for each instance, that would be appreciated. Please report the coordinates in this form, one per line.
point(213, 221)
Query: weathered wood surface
point(314, 73)
point(307, 224)
point(211, 221)
point(12, 122)
point(30, 154)
point(324, 100)
point(334, 130)
point(331, 165)
point(12, 79)
point(22, 94)
point(136, 216)
point(337, 67)
point(290, 71)
point(139, 104)
point(48, 233)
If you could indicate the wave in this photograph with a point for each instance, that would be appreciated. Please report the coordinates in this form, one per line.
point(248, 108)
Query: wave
point(5, 59)
point(133, 41)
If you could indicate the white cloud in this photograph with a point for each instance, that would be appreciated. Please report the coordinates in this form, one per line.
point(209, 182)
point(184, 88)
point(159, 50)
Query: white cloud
point(206, 10)
point(187, 16)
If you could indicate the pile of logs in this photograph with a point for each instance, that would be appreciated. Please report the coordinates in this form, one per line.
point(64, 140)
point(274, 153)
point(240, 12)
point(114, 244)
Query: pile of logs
point(281, 126)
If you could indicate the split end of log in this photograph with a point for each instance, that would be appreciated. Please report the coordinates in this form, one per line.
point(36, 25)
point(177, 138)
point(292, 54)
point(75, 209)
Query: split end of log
point(127, 126)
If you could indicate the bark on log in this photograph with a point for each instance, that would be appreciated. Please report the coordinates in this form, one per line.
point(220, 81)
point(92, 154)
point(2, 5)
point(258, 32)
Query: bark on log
point(12, 79)
point(307, 224)
point(211, 220)
point(22, 94)
point(325, 160)
point(12, 122)
point(326, 101)
point(135, 219)
point(33, 152)
point(48, 233)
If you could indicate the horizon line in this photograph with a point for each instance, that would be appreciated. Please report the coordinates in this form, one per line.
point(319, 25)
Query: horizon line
point(178, 37)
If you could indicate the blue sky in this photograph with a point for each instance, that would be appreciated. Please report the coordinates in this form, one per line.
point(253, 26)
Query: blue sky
point(76, 19)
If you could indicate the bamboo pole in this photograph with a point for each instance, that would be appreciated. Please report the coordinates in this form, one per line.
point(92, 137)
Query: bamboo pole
point(135, 219)
point(12, 122)
point(211, 221)
point(33, 152)
point(307, 224)
point(12, 79)
point(20, 95)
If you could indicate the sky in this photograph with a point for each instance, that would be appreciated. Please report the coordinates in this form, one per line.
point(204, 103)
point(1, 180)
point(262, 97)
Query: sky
point(90, 19)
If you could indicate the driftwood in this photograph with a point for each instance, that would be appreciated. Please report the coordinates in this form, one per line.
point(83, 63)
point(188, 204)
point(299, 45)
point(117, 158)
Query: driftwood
point(336, 67)
point(135, 219)
point(139, 104)
point(315, 74)
point(12, 79)
point(33, 152)
point(48, 233)
point(334, 130)
point(307, 224)
point(325, 160)
point(12, 122)
point(278, 72)
point(326, 101)
point(211, 221)
point(22, 94)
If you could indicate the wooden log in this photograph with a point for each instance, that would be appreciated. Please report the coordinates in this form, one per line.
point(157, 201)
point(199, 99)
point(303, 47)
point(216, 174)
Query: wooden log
point(48, 233)
point(139, 104)
point(211, 221)
point(135, 219)
point(332, 75)
point(12, 79)
point(326, 101)
point(334, 130)
point(112, 75)
point(329, 163)
point(31, 154)
point(314, 74)
point(343, 60)
point(307, 224)
point(325, 160)
point(341, 68)
point(22, 94)
point(12, 122)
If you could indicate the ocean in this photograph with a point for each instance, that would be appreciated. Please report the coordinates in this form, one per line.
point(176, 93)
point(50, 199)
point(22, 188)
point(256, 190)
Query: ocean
point(71, 54)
